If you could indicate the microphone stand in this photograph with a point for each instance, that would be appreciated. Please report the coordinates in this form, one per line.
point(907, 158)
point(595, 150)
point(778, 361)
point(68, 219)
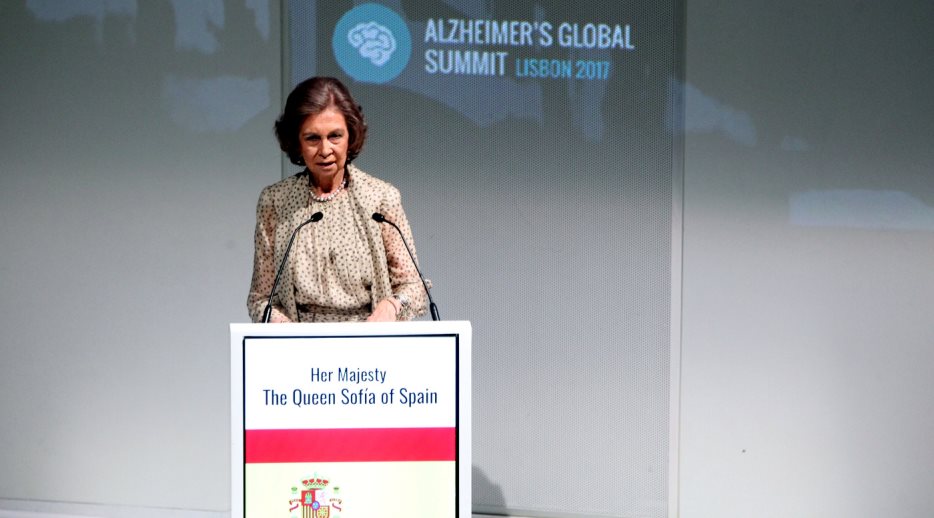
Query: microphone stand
point(432, 307)
point(267, 313)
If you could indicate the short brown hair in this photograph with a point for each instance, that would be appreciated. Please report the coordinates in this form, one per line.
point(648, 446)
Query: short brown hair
point(311, 97)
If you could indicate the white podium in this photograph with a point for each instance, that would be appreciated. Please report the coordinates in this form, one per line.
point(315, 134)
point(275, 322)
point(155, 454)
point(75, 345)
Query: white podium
point(350, 420)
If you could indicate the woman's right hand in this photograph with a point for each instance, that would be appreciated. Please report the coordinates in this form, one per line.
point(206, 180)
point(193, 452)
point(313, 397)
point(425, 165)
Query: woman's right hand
point(277, 317)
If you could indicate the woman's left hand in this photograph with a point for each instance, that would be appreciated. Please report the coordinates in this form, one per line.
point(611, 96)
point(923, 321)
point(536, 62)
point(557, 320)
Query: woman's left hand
point(385, 311)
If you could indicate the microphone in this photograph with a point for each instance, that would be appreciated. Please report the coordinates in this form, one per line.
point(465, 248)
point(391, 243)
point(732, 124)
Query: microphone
point(285, 257)
point(379, 218)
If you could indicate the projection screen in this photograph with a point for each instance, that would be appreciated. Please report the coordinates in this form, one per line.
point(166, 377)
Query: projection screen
point(537, 148)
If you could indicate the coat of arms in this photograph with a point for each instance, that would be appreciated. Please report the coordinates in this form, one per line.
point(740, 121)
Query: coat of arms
point(315, 499)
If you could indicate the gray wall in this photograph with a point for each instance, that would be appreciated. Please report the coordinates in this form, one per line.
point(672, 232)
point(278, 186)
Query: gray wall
point(127, 210)
point(135, 139)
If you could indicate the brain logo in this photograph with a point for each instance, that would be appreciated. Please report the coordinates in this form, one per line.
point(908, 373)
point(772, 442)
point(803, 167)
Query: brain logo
point(373, 41)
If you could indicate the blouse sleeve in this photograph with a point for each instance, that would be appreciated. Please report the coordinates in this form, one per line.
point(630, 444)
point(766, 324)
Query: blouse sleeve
point(264, 242)
point(403, 276)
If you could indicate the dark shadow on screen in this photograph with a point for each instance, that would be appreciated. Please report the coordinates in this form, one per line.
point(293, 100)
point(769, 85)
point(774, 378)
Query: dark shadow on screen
point(487, 496)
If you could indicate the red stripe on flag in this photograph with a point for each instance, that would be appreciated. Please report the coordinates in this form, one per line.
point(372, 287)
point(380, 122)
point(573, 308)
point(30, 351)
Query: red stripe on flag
point(350, 445)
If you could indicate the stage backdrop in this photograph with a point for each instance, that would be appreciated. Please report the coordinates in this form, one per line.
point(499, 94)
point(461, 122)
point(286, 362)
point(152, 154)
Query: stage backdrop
point(533, 145)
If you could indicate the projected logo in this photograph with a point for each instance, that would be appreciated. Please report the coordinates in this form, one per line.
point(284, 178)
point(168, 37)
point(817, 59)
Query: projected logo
point(315, 499)
point(372, 43)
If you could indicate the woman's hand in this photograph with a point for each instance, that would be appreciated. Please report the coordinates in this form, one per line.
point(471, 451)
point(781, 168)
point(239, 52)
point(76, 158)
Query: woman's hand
point(278, 318)
point(385, 311)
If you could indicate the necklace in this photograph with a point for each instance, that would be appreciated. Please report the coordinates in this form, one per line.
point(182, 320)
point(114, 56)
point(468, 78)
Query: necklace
point(329, 197)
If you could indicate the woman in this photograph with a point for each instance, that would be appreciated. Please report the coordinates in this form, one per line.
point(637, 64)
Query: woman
point(345, 267)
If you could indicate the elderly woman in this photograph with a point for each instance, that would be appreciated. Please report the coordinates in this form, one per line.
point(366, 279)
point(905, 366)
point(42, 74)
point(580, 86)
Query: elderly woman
point(345, 267)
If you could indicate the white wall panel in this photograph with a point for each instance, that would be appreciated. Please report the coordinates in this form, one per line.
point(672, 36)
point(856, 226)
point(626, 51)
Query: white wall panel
point(808, 246)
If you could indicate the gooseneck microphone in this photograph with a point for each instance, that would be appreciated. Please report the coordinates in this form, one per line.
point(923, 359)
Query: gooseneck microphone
point(285, 257)
point(434, 309)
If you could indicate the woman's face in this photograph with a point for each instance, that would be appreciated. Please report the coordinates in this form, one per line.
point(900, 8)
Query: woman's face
point(323, 139)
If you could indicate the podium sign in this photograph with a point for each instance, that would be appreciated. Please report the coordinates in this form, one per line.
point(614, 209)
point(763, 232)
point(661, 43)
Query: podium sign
point(350, 420)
